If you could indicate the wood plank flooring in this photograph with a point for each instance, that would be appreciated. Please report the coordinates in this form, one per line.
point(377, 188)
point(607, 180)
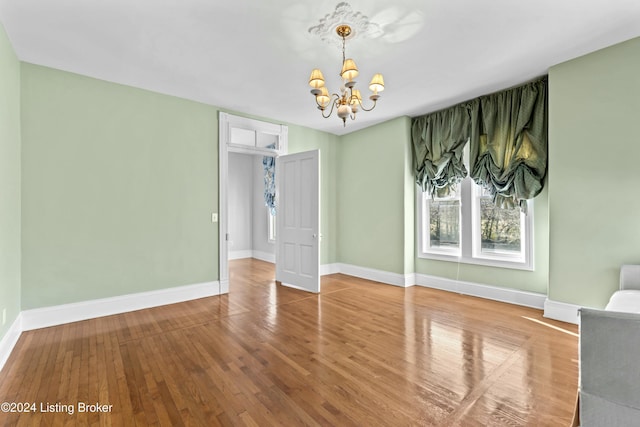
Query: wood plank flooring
point(359, 354)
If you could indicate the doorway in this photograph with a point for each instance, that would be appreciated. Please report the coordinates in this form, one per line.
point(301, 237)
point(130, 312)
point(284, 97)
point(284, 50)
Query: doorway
point(251, 225)
point(245, 136)
point(251, 252)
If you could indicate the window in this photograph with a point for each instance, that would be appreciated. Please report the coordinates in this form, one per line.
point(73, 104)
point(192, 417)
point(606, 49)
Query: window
point(255, 139)
point(467, 227)
point(271, 220)
point(500, 233)
point(442, 220)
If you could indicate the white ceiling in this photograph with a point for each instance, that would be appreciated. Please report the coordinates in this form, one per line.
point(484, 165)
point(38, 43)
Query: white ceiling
point(255, 57)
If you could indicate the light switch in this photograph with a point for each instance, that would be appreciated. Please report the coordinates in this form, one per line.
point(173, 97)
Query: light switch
point(214, 217)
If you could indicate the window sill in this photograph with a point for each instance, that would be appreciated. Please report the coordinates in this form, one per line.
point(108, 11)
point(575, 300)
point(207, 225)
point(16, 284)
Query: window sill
point(526, 266)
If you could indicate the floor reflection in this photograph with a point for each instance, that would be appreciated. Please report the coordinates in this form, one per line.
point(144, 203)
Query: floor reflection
point(459, 358)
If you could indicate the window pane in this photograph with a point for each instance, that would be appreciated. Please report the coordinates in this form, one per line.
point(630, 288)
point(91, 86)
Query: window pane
point(243, 137)
point(444, 223)
point(267, 140)
point(500, 228)
point(272, 226)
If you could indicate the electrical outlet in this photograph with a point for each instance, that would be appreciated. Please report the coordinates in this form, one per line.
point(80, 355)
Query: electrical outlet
point(214, 217)
point(4, 316)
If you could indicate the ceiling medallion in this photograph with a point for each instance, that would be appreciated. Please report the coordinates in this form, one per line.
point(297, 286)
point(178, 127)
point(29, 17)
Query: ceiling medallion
point(349, 101)
point(344, 14)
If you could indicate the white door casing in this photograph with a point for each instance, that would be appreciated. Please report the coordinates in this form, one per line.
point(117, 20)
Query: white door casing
point(298, 220)
point(241, 135)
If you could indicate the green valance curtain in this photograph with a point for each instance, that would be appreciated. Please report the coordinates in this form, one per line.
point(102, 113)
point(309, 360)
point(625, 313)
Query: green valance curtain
point(507, 133)
point(438, 141)
point(508, 143)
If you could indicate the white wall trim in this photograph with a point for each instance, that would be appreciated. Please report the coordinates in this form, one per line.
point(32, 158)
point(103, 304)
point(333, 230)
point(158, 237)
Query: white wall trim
point(10, 340)
point(325, 269)
point(562, 311)
point(387, 277)
point(267, 257)
point(247, 253)
point(410, 279)
point(224, 287)
point(264, 256)
point(67, 313)
point(512, 296)
point(329, 269)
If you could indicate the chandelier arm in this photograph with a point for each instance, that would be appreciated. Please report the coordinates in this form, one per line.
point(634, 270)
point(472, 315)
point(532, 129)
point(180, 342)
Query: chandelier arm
point(365, 109)
point(333, 104)
point(320, 105)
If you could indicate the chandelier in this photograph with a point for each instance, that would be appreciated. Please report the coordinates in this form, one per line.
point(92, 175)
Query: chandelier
point(349, 101)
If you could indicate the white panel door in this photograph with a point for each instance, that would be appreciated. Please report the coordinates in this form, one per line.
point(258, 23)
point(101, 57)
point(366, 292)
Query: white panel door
point(298, 220)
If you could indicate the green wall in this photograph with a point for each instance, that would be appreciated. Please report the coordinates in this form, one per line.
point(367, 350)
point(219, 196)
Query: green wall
point(529, 281)
point(375, 214)
point(118, 186)
point(594, 157)
point(9, 184)
point(409, 193)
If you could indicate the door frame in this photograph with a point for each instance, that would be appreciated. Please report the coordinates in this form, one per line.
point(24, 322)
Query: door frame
point(226, 122)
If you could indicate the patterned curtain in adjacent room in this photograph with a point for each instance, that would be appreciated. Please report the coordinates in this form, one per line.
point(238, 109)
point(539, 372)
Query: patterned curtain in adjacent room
point(269, 166)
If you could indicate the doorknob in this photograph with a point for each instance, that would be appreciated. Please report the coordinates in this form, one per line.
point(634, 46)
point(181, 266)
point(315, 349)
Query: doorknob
point(314, 235)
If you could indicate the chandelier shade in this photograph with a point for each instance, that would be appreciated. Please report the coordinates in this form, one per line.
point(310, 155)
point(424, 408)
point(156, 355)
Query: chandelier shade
point(317, 79)
point(349, 69)
point(377, 84)
point(349, 101)
point(323, 98)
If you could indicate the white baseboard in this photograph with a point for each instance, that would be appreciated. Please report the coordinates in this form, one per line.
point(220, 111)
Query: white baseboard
point(224, 286)
point(248, 253)
point(410, 279)
point(264, 256)
point(512, 296)
point(562, 311)
point(389, 278)
point(10, 340)
point(329, 269)
point(67, 313)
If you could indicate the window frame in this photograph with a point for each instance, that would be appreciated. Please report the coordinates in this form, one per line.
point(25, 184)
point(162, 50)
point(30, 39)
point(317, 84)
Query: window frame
point(525, 233)
point(425, 238)
point(470, 238)
point(271, 227)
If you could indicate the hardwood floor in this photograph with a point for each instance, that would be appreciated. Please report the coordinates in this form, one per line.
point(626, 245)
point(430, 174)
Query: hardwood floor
point(359, 354)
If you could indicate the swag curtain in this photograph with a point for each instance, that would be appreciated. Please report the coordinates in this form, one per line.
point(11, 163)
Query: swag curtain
point(508, 143)
point(438, 140)
point(507, 134)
